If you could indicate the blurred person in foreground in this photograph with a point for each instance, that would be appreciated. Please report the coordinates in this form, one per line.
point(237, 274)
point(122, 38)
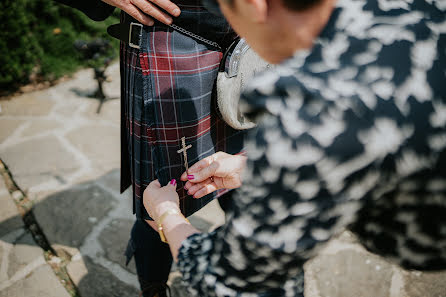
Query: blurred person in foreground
point(351, 133)
point(167, 78)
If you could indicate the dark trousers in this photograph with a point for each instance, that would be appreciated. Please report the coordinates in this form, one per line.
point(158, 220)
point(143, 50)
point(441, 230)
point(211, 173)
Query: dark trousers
point(152, 257)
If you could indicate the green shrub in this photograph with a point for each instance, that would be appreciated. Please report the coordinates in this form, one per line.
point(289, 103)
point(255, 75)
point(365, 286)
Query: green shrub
point(37, 37)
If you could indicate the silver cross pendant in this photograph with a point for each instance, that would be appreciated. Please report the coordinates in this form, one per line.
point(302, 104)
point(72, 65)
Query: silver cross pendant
point(184, 151)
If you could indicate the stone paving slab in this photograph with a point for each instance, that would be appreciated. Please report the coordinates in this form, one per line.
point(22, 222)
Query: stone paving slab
point(348, 273)
point(35, 161)
point(30, 121)
point(8, 126)
point(24, 252)
point(10, 219)
point(421, 284)
point(345, 269)
point(23, 270)
point(41, 282)
point(94, 280)
point(99, 143)
point(38, 127)
point(111, 181)
point(30, 104)
point(113, 242)
point(69, 216)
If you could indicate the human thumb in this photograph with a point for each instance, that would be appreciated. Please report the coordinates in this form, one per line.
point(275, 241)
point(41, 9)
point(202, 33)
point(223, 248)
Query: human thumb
point(173, 183)
point(154, 184)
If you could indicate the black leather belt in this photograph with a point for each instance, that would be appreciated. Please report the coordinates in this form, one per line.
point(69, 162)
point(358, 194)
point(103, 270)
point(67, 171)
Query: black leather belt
point(129, 31)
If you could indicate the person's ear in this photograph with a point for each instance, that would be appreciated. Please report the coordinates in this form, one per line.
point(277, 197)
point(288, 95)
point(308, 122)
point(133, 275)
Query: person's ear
point(257, 10)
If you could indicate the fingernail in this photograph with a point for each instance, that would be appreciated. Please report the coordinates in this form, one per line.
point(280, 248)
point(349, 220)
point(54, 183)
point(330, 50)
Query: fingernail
point(189, 177)
point(176, 12)
point(151, 23)
point(173, 182)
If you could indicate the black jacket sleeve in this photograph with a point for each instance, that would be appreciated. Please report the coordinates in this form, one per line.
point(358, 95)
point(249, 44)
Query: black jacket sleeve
point(94, 9)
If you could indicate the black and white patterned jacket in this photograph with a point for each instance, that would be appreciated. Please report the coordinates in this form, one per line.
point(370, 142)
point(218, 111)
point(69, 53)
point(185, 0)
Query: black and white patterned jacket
point(351, 133)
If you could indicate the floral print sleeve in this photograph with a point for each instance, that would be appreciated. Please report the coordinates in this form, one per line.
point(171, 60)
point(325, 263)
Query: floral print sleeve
point(351, 134)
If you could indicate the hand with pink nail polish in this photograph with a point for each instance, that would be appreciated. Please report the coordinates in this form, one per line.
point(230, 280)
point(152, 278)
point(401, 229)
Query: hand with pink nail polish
point(146, 11)
point(158, 199)
point(218, 171)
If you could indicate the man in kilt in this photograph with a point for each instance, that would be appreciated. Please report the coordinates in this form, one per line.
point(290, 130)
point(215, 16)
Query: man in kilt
point(167, 79)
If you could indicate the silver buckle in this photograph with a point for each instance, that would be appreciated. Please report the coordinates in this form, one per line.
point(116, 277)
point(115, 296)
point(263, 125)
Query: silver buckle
point(130, 34)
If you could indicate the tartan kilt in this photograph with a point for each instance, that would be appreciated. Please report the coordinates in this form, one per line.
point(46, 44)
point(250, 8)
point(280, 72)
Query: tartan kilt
point(166, 90)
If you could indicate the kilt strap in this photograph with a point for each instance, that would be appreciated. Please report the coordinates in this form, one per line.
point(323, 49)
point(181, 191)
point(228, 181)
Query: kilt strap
point(129, 31)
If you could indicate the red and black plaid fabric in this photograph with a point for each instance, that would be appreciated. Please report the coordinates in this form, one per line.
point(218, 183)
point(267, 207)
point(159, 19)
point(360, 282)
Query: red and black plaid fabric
point(166, 95)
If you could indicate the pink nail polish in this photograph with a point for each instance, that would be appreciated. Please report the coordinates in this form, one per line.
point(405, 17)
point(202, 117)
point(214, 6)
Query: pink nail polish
point(173, 182)
point(190, 176)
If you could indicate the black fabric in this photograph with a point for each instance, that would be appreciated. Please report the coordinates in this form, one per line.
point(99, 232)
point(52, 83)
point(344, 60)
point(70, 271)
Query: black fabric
point(154, 289)
point(225, 201)
point(94, 9)
point(152, 257)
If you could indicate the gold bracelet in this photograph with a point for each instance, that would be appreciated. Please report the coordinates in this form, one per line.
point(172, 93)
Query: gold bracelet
point(165, 214)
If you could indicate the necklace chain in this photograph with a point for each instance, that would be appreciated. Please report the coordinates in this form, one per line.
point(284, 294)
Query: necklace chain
point(195, 36)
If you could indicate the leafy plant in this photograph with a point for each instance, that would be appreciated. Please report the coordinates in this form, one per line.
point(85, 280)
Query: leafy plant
point(37, 40)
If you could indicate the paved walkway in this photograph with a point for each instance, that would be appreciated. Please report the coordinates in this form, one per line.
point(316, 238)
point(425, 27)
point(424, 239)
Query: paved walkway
point(65, 157)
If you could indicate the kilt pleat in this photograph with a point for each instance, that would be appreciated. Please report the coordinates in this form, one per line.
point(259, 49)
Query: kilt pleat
point(167, 94)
